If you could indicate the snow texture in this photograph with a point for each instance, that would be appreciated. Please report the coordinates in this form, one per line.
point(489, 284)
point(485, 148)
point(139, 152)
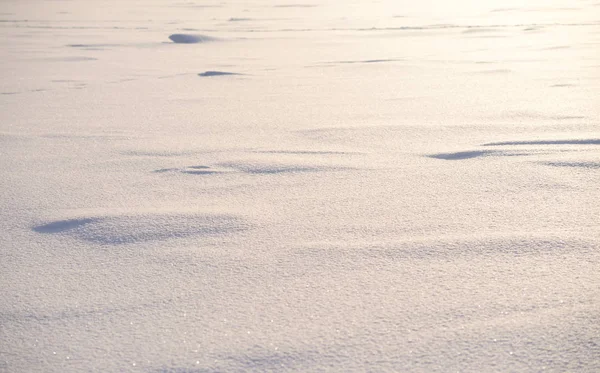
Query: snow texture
point(216, 73)
point(190, 38)
point(283, 186)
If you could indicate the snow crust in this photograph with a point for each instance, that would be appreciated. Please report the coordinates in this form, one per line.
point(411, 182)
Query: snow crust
point(282, 186)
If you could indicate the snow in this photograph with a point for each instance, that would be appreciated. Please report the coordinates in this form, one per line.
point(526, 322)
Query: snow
point(401, 186)
point(189, 38)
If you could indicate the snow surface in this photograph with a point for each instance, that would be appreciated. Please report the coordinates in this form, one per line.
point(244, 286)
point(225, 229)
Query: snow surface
point(320, 185)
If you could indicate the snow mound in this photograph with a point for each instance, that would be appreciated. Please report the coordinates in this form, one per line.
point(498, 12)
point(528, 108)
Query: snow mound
point(129, 229)
point(190, 38)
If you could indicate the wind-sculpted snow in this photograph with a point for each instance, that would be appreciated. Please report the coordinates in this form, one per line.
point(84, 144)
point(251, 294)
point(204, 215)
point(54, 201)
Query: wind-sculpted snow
point(217, 73)
point(487, 264)
point(269, 169)
point(299, 186)
point(525, 147)
point(546, 142)
point(381, 60)
point(130, 229)
point(462, 155)
point(249, 168)
point(190, 38)
point(197, 170)
point(63, 225)
point(582, 165)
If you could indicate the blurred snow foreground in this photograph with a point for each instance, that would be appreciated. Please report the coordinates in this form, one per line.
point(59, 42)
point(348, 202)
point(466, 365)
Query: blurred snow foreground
point(274, 186)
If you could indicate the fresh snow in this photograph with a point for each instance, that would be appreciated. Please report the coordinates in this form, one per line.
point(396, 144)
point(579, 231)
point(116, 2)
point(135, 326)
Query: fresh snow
point(283, 186)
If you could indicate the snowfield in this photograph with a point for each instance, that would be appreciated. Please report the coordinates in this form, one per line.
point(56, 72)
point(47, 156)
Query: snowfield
point(299, 186)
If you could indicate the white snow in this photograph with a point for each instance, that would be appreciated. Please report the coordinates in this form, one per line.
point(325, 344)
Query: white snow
point(257, 186)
